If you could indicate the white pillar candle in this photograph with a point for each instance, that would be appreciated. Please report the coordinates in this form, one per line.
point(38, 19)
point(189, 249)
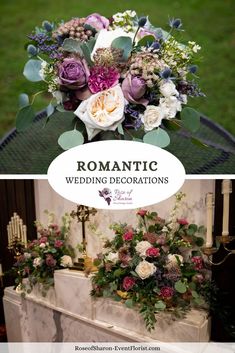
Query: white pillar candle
point(1, 273)
point(226, 190)
point(209, 219)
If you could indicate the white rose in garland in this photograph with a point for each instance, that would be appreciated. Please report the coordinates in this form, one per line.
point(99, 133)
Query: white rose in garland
point(152, 117)
point(37, 262)
point(171, 105)
point(173, 261)
point(112, 256)
point(167, 89)
point(66, 261)
point(102, 111)
point(142, 247)
point(145, 269)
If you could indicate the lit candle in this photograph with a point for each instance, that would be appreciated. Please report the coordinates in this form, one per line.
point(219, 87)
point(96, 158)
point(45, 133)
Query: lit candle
point(226, 190)
point(209, 219)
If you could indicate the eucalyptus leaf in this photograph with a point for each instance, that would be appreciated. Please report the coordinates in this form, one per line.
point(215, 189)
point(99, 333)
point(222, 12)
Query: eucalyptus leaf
point(160, 305)
point(157, 137)
point(180, 287)
point(146, 41)
point(70, 139)
point(24, 118)
point(194, 227)
point(31, 70)
point(199, 241)
point(50, 110)
point(72, 45)
point(120, 129)
point(190, 119)
point(124, 43)
point(87, 48)
point(23, 100)
point(195, 294)
point(129, 303)
point(171, 124)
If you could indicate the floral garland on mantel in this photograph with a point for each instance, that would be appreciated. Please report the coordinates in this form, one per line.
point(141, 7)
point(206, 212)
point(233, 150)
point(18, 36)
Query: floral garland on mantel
point(157, 267)
point(122, 77)
point(43, 256)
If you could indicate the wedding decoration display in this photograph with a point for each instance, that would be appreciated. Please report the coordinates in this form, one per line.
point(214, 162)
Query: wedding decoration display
point(43, 256)
point(122, 77)
point(155, 267)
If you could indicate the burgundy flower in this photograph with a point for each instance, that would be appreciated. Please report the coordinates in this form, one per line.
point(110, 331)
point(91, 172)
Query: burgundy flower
point(166, 292)
point(58, 243)
point(128, 236)
point(50, 261)
point(73, 73)
point(102, 78)
point(128, 283)
point(182, 221)
point(142, 213)
point(198, 278)
point(124, 256)
point(43, 240)
point(97, 21)
point(153, 252)
point(134, 88)
point(198, 262)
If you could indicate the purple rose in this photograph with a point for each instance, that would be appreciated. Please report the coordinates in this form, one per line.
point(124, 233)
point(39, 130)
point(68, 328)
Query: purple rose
point(134, 88)
point(97, 21)
point(73, 73)
point(50, 261)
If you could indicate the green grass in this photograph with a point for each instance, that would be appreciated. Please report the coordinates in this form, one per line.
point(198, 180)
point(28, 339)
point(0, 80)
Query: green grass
point(210, 23)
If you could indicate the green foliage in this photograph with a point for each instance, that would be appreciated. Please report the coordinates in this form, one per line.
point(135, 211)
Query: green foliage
point(70, 139)
point(157, 137)
point(190, 119)
point(180, 287)
point(123, 43)
point(25, 117)
point(72, 46)
point(31, 70)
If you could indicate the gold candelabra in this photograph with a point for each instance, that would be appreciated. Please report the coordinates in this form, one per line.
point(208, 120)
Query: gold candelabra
point(223, 240)
point(17, 235)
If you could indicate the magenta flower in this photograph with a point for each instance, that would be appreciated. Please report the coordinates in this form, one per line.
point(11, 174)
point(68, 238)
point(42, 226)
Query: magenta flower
point(142, 213)
point(43, 240)
point(198, 262)
point(58, 243)
point(128, 283)
point(153, 252)
point(128, 236)
point(182, 221)
point(102, 78)
point(50, 261)
point(166, 292)
point(97, 21)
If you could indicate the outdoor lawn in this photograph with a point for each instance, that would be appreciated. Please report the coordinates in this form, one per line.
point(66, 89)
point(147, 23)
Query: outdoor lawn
point(208, 22)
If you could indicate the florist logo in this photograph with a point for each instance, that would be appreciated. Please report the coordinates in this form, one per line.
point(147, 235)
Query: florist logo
point(117, 197)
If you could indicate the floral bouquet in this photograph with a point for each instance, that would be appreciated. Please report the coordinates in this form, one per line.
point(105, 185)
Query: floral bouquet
point(43, 256)
point(156, 267)
point(122, 77)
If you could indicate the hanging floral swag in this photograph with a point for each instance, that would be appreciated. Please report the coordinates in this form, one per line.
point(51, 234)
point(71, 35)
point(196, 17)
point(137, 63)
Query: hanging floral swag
point(157, 267)
point(42, 256)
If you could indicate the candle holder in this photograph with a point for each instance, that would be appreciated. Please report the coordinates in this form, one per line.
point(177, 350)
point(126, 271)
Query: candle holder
point(17, 238)
point(223, 240)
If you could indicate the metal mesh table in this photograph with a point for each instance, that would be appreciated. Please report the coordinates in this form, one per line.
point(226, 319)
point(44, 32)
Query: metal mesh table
point(32, 151)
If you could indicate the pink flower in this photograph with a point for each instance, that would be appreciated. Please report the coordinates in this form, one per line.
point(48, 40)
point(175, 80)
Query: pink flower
point(182, 221)
point(58, 243)
point(128, 283)
point(50, 261)
point(198, 278)
point(42, 240)
point(153, 252)
point(128, 236)
point(198, 262)
point(142, 213)
point(97, 21)
point(150, 237)
point(102, 78)
point(166, 292)
point(161, 240)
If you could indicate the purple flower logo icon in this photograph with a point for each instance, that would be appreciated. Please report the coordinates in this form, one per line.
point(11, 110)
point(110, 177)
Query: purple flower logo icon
point(106, 194)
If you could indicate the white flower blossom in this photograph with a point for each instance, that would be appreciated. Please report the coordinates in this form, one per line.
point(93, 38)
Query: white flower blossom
point(145, 269)
point(152, 117)
point(66, 261)
point(37, 262)
point(142, 247)
point(112, 256)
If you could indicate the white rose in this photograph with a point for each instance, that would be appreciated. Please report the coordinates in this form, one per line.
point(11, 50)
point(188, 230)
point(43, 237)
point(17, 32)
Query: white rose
point(42, 245)
point(152, 117)
point(66, 261)
point(172, 260)
point(105, 38)
point(112, 256)
point(145, 269)
point(171, 105)
point(167, 89)
point(102, 111)
point(37, 262)
point(142, 247)
point(27, 255)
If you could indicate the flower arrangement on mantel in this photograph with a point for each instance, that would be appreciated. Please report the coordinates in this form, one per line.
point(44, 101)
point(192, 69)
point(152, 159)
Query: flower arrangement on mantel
point(157, 267)
point(122, 77)
point(43, 256)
